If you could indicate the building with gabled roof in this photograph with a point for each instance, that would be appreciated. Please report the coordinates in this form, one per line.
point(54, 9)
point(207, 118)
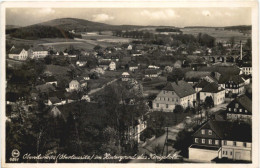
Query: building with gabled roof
point(233, 84)
point(213, 90)
point(240, 109)
point(222, 139)
point(18, 54)
point(176, 93)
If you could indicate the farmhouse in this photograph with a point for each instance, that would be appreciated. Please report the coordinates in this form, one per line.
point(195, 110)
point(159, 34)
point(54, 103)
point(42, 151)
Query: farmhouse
point(232, 84)
point(18, 54)
point(179, 93)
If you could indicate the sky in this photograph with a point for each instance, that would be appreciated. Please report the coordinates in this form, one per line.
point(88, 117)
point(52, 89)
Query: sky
point(179, 17)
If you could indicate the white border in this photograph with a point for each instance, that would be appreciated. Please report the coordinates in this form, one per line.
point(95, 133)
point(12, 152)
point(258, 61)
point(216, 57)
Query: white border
point(143, 4)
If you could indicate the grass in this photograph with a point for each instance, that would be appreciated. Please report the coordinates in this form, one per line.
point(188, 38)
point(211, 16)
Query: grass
point(57, 70)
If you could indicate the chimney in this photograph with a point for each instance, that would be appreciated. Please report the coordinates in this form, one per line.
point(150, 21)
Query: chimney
point(241, 50)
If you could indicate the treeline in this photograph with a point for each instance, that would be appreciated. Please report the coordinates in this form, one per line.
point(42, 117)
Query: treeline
point(40, 31)
point(239, 28)
point(168, 30)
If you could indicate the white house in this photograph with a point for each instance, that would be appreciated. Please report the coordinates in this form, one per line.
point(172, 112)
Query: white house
point(125, 76)
point(112, 66)
point(130, 47)
point(74, 85)
point(214, 91)
point(18, 54)
point(180, 93)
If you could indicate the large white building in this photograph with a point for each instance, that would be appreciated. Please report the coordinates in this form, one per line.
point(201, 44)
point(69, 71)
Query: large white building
point(176, 93)
point(18, 54)
point(217, 93)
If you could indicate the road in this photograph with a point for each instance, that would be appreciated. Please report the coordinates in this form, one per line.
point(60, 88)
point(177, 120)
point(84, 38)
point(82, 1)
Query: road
point(173, 132)
point(98, 89)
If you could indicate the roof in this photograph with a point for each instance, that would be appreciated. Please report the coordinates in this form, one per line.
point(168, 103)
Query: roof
point(55, 111)
point(125, 74)
point(212, 88)
point(50, 79)
point(236, 79)
point(244, 101)
point(182, 89)
point(15, 51)
point(202, 84)
point(196, 74)
point(74, 81)
point(229, 130)
point(54, 100)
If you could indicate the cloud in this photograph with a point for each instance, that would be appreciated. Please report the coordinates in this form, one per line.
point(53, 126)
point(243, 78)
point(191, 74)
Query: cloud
point(162, 14)
point(102, 17)
point(206, 13)
point(46, 11)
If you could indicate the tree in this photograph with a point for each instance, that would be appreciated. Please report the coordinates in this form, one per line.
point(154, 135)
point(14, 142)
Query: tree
point(178, 109)
point(232, 41)
point(209, 102)
point(97, 48)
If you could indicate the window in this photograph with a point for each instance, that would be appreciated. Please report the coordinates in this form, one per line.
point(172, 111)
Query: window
point(196, 140)
point(244, 144)
point(163, 92)
point(204, 94)
point(231, 153)
point(168, 99)
point(240, 110)
point(172, 93)
point(210, 132)
point(172, 99)
point(229, 109)
point(225, 142)
point(246, 111)
point(177, 100)
point(160, 98)
point(203, 131)
point(167, 106)
point(234, 143)
point(157, 105)
point(236, 105)
point(203, 141)
point(216, 142)
point(210, 141)
point(235, 110)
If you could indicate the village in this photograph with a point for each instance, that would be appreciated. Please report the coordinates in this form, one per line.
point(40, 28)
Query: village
point(136, 98)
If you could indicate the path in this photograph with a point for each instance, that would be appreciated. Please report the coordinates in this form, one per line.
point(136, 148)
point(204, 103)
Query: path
point(98, 89)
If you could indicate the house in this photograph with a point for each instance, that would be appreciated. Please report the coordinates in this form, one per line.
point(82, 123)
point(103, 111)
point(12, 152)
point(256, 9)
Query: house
point(246, 69)
point(221, 139)
point(86, 77)
point(213, 90)
point(125, 76)
point(104, 65)
point(18, 54)
point(82, 61)
point(176, 93)
point(153, 67)
point(232, 84)
point(246, 78)
point(74, 85)
point(133, 67)
point(129, 47)
point(112, 66)
point(240, 109)
point(152, 73)
point(136, 130)
point(51, 80)
point(37, 52)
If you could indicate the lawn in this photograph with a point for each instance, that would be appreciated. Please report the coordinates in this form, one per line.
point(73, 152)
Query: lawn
point(57, 70)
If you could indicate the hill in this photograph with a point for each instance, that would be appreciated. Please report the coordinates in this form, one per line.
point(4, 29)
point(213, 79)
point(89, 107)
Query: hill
point(81, 25)
point(39, 31)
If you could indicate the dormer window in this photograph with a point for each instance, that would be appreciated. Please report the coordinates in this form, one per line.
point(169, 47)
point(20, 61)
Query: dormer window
point(246, 111)
point(210, 132)
point(236, 105)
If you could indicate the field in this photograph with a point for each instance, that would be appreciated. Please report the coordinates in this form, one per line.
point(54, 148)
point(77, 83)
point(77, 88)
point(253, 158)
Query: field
point(88, 42)
point(220, 35)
